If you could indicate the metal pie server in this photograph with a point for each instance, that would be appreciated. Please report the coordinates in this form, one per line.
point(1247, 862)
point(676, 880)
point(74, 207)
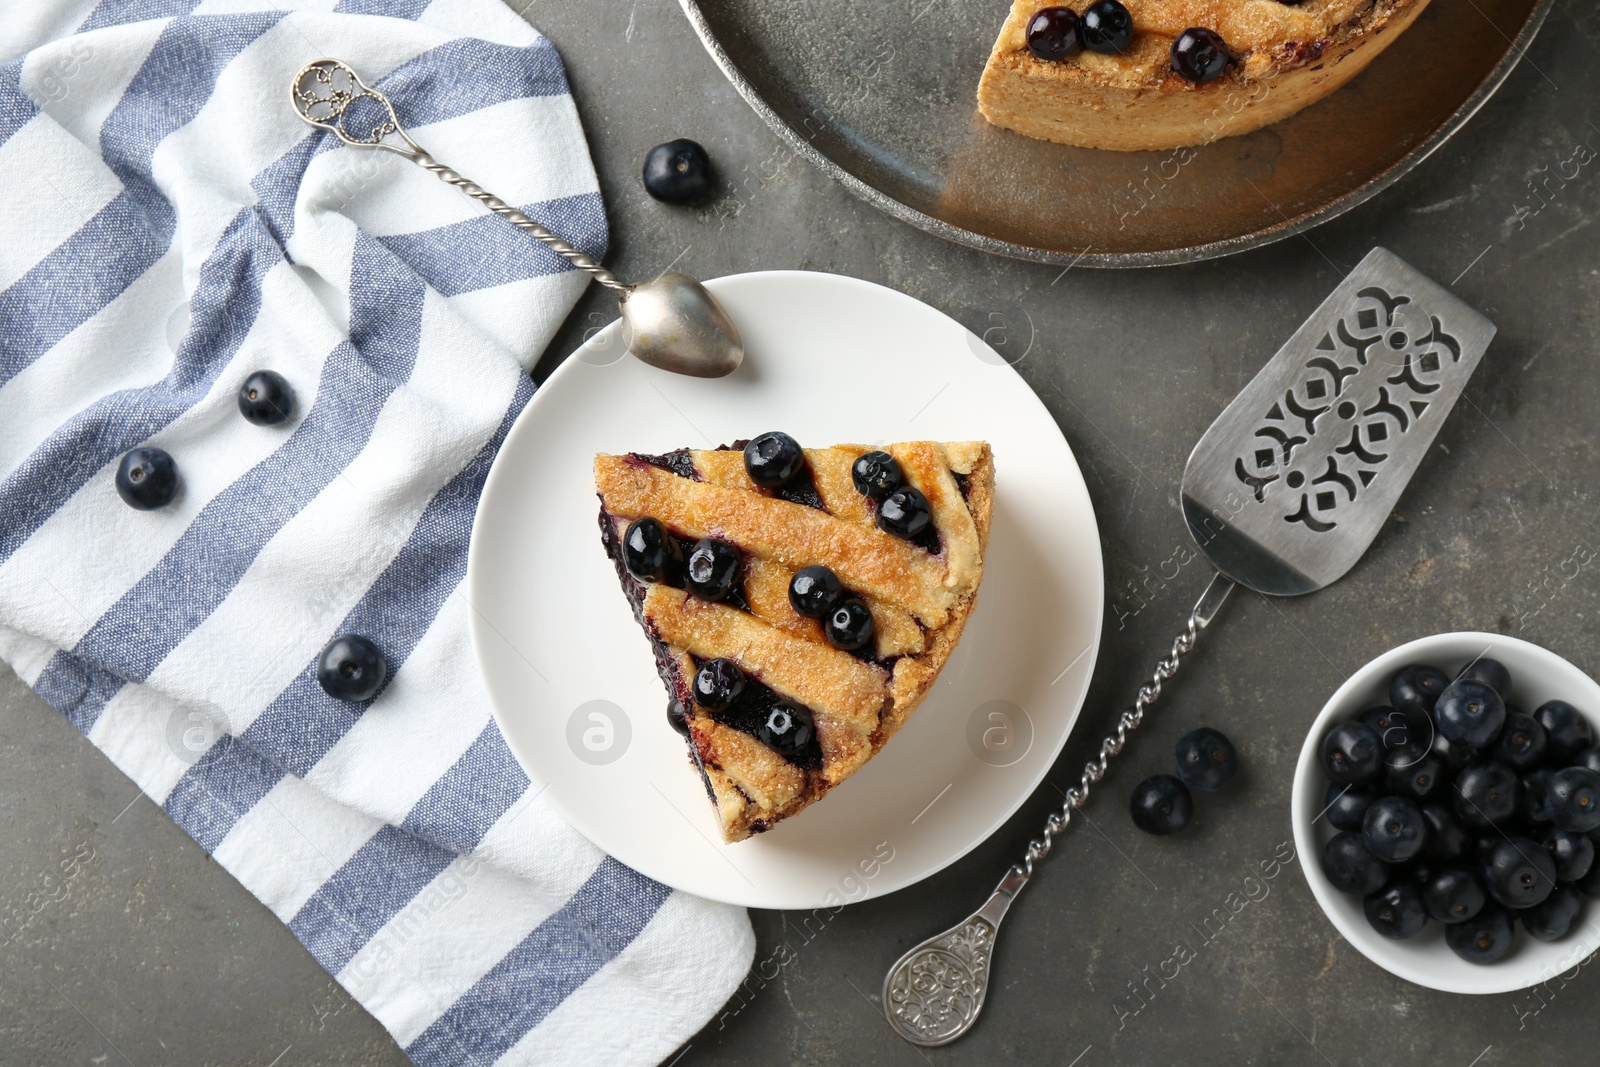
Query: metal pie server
point(1283, 494)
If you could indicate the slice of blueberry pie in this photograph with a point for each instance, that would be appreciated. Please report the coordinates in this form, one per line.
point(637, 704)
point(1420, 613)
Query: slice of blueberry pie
point(800, 602)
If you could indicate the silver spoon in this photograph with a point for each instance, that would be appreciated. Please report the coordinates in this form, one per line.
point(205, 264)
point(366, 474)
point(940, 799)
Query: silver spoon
point(670, 321)
point(1283, 494)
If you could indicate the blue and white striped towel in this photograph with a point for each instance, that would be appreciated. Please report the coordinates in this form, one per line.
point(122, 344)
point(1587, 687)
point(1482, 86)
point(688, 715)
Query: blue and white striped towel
point(170, 226)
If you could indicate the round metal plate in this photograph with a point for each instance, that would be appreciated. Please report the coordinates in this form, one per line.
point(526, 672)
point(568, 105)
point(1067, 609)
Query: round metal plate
point(881, 98)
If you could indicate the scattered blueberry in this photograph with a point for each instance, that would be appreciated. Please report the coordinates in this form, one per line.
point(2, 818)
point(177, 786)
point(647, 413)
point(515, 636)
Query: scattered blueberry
point(1522, 743)
point(678, 172)
point(1161, 805)
point(1572, 853)
point(1573, 799)
point(1454, 895)
point(1412, 771)
point(1416, 688)
point(1447, 838)
point(1052, 33)
point(1567, 732)
point(147, 479)
point(773, 458)
point(713, 569)
point(814, 590)
point(1520, 873)
point(787, 729)
point(649, 552)
point(905, 513)
point(1394, 829)
point(1106, 27)
point(1470, 713)
point(1395, 728)
point(1350, 867)
point(876, 474)
point(1552, 919)
point(849, 625)
point(1205, 760)
point(266, 399)
point(678, 716)
point(1482, 939)
point(1347, 805)
point(1486, 794)
point(1352, 754)
point(1199, 54)
point(1397, 911)
point(351, 668)
point(1489, 672)
point(718, 684)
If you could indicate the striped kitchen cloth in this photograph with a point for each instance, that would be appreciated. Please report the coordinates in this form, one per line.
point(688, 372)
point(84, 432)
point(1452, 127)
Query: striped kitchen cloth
point(170, 226)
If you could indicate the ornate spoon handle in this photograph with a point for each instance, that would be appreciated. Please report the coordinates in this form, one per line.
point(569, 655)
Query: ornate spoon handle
point(933, 994)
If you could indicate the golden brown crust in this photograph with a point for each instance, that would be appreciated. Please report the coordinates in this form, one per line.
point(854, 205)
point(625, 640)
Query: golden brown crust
point(1285, 59)
point(856, 704)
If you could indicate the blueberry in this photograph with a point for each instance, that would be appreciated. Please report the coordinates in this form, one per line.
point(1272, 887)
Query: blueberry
point(1199, 54)
point(1106, 27)
point(1052, 33)
point(773, 458)
point(1589, 757)
point(787, 729)
point(1573, 853)
point(650, 553)
point(1352, 754)
point(1573, 799)
point(1535, 786)
point(147, 479)
point(351, 668)
point(1395, 728)
point(849, 625)
point(1394, 829)
point(1489, 672)
point(718, 684)
point(1483, 846)
point(1520, 873)
point(1396, 911)
point(1161, 805)
point(1350, 867)
point(1567, 732)
point(814, 590)
point(1452, 755)
point(678, 172)
point(1482, 939)
point(1416, 688)
point(1486, 794)
point(1447, 838)
point(1522, 743)
point(1347, 805)
point(1589, 884)
point(1412, 771)
point(678, 716)
point(1454, 895)
point(713, 569)
point(1551, 920)
point(266, 399)
point(1205, 760)
point(1470, 713)
point(905, 513)
point(876, 474)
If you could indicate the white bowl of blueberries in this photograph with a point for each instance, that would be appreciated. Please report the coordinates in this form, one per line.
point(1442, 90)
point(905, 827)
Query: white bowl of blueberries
point(1447, 811)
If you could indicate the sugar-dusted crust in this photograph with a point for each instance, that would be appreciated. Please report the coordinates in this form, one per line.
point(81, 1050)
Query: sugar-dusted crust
point(857, 704)
point(1286, 57)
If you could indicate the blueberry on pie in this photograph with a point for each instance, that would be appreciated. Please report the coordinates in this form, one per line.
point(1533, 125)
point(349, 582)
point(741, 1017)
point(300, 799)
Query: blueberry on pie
point(800, 602)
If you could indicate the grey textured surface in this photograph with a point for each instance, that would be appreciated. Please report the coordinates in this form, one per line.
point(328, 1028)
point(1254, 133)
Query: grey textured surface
point(149, 953)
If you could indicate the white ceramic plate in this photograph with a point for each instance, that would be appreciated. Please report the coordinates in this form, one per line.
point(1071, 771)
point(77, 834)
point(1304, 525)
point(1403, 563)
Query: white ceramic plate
point(572, 678)
point(1537, 675)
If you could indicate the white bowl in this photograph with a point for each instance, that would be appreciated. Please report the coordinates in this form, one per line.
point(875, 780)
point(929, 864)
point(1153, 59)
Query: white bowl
point(1537, 675)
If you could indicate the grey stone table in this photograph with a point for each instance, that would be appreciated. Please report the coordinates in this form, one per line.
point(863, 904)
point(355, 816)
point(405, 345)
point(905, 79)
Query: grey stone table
point(155, 955)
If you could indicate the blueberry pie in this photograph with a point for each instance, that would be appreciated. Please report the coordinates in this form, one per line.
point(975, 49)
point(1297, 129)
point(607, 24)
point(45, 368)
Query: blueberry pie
point(800, 602)
point(1160, 74)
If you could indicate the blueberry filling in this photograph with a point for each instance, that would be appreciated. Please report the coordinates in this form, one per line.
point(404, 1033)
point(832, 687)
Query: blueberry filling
point(677, 461)
point(783, 725)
